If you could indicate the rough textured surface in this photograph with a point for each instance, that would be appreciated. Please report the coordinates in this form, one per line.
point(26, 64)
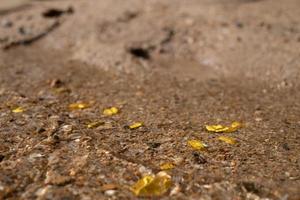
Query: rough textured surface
point(173, 65)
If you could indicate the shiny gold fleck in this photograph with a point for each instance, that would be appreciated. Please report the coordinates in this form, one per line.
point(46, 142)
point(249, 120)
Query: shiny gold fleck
point(197, 144)
point(136, 125)
point(78, 106)
point(167, 166)
point(227, 140)
point(151, 185)
point(235, 125)
point(110, 111)
point(224, 129)
point(141, 184)
point(95, 124)
point(18, 110)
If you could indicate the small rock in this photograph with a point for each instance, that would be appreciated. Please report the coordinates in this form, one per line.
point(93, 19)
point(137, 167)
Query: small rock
point(258, 119)
point(56, 179)
point(54, 13)
point(108, 187)
point(24, 31)
point(1, 157)
point(178, 160)
point(143, 170)
point(175, 190)
point(55, 83)
point(42, 191)
point(67, 128)
point(154, 145)
point(252, 196)
point(198, 158)
point(6, 23)
point(34, 156)
point(110, 192)
point(40, 130)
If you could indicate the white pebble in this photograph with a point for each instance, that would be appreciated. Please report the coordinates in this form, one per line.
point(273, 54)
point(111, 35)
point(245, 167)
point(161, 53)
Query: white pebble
point(110, 192)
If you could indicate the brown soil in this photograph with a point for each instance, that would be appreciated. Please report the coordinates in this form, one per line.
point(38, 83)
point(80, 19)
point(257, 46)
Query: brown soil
point(173, 65)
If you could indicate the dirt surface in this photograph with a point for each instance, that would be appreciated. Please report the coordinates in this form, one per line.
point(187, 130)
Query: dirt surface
point(173, 65)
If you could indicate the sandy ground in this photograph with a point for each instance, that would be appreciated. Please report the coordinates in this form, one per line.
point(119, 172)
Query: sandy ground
point(173, 65)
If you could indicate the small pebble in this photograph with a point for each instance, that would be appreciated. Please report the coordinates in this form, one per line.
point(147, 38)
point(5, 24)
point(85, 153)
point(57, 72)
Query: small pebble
point(6, 23)
point(55, 83)
point(178, 160)
point(110, 192)
point(154, 145)
point(258, 119)
point(175, 190)
point(143, 170)
point(23, 30)
point(199, 159)
point(67, 128)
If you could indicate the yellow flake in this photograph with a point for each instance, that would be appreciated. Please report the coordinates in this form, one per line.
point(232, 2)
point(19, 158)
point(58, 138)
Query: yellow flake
point(95, 124)
point(235, 125)
point(78, 106)
point(151, 185)
point(18, 110)
point(110, 111)
point(167, 166)
point(227, 140)
point(216, 128)
point(136, 125)
point(224, 129)
point(142, 183)
point(197, 144)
